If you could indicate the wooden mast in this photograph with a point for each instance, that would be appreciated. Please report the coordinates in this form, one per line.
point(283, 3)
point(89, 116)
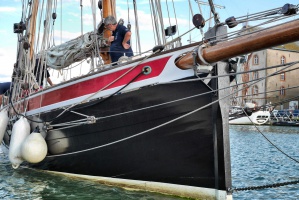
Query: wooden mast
point(108, 9)
point(275, 36)
point(33, 27)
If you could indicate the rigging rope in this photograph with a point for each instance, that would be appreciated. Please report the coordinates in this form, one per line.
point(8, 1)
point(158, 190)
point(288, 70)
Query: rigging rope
point(169, 17)
point(158, 7)
point(153, 24)
point(146, 131)
point(137, 26)
point(176, 21)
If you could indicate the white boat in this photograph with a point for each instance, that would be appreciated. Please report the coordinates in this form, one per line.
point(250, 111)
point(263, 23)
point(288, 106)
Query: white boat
point(257, 117)
point(248, 115)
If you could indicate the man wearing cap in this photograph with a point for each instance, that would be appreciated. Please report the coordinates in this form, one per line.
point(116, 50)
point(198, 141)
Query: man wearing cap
point(120, 39)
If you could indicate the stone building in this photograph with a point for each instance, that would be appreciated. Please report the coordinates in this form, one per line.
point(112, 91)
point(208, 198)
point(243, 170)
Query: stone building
point(260, 85)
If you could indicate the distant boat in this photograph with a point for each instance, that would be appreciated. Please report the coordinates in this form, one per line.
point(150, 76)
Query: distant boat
point(146, 122)
point(248, 116)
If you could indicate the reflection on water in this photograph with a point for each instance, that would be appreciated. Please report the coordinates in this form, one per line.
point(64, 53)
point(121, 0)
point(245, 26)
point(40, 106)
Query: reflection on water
point(255, 162)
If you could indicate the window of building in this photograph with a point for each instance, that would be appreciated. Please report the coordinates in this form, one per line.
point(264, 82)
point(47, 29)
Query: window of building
point(283, 76)
point(255, 60)
point(282, 91)
point(282, 60)
point(255, 90)
point(255, 75)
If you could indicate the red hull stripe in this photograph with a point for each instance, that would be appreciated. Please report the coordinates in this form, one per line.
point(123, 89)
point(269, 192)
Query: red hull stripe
point(95, 84)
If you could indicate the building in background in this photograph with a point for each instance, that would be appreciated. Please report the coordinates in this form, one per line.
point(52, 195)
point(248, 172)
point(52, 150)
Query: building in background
point(253, 87)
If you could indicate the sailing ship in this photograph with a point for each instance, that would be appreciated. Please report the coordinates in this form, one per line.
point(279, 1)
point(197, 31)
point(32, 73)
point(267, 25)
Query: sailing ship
point(157, 123)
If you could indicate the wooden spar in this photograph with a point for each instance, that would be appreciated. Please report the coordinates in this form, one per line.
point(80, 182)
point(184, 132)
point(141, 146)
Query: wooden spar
point(108, 9)
point(264, 39)
point(33, 28)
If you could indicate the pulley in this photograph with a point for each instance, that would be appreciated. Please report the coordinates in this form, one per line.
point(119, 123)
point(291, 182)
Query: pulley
point(26, 45)
point(198, 21)
point(54, 16)
point(289, 9)
point(19, 27)
point(170, 31)
point(231, 22)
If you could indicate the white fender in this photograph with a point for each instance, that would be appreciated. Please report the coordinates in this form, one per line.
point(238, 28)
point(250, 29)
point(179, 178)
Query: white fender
point(260, 117)
point(20, 130)
point(3, 123)
point(34, 149)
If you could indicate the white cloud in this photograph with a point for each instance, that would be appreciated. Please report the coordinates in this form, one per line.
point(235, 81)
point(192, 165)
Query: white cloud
point(7, 9)
point(7, 57)
point(65, 36)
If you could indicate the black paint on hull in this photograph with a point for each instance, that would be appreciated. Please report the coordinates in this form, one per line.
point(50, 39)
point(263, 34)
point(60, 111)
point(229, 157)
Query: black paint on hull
point(182, 152)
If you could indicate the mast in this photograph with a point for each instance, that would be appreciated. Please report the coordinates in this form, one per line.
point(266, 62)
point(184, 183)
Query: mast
point(271, 37)
point(33, 27)
point(108, 9)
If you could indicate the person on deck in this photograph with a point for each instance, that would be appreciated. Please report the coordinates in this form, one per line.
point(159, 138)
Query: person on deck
point(120, 39)
point(37, 69)
point(4, 88)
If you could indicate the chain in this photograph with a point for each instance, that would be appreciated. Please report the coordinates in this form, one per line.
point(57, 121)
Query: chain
point(263, 186)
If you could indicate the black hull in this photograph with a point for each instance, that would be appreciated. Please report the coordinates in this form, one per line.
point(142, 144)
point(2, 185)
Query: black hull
point(121, 144)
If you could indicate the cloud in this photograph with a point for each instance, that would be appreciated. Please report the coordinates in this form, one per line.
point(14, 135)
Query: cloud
point(7, 57)
point(65, 36)
point(7, 9)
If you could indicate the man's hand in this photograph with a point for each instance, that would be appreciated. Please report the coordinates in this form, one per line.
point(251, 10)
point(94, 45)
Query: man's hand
point(126, 45)
point(111, 39)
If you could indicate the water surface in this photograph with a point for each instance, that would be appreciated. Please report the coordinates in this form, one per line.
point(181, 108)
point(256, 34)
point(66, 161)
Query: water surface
point(254, 160)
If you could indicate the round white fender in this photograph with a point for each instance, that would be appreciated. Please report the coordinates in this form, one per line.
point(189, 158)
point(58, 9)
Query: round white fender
point(3, 123)
point(20, 130)
point(34, 148)
point(260, 117)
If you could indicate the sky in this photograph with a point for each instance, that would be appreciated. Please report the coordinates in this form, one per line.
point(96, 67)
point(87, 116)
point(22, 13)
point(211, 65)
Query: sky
point(68, 23)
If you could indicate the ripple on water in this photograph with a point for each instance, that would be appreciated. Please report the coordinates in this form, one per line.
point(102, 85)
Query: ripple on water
point(255, 162)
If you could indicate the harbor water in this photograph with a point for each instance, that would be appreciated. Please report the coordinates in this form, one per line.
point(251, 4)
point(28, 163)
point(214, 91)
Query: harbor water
point(255, 162)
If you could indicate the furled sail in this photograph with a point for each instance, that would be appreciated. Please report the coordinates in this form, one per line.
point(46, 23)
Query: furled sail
point(61, 56)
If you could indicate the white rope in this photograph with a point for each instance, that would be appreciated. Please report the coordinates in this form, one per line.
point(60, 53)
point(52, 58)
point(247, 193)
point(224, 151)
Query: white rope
point(163, 124)
point(90, 96)
point(160, 14)
point(157, 29)
point(137, 27)
point(200, 11)
point(176, 21)
point(153, 26)
point(169, 17)
point(141, 133)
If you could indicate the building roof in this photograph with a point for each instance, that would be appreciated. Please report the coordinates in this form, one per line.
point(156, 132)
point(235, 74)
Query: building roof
point(294, 46)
